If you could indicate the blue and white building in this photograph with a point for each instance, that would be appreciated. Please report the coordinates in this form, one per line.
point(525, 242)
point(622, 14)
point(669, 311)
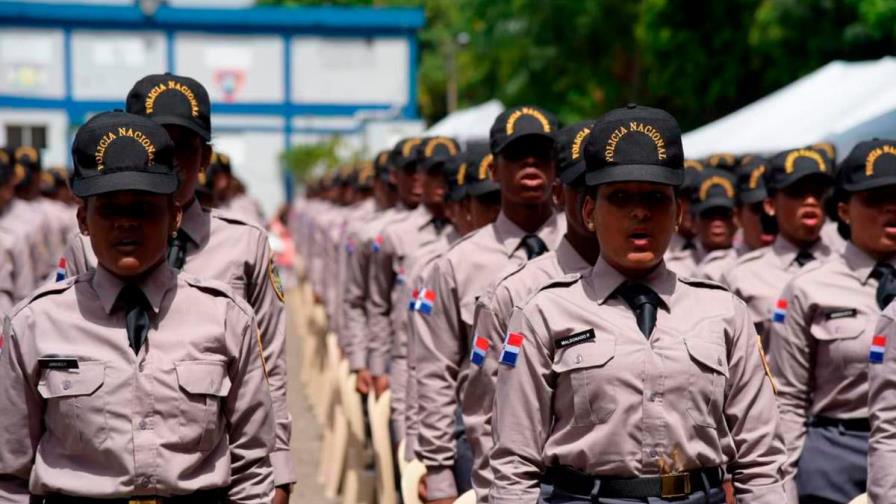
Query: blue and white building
point(276, 76)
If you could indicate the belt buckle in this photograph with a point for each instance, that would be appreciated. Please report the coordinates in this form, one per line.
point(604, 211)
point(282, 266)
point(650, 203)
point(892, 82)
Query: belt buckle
point(145, 501)
point(675, 485)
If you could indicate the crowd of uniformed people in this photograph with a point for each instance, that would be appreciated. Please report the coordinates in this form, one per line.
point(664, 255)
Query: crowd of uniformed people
point(559, 315)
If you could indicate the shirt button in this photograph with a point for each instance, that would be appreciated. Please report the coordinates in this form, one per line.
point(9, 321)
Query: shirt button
point(653, 453)
point(579, 359)
point(142, 424)
point(67, 384)
point(147, 482)
point(652, 397)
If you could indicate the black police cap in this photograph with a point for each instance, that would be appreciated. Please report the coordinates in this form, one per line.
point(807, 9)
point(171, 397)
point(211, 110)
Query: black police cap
point(434, 151)
point(172, 100)
point(364, 178)
point(117, 151)
point(477, 174)
point(787, 167)
point(381, 165)
point(26, 164)
point(869, 165)
point(692, 170)
point(569, 152)
point(750, 177)
point(450, 168)
point(715, 189)
point(635, 144)
point(722, 161)
point(518, 122)
point(404, 153)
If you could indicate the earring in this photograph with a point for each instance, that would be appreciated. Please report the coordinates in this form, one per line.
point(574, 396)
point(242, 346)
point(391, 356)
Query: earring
point(174, 234)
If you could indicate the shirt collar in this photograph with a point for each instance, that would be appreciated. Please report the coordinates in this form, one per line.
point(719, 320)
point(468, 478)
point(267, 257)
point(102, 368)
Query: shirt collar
point(154, 286)
point(510, 235)
point(786, 251)
point(603, 280)
point(195, 223)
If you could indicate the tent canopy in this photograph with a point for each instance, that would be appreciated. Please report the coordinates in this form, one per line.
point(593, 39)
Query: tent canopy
point(841, 102)
point(468, 125)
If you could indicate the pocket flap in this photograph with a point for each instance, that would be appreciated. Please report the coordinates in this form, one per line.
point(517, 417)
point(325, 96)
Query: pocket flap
point(72, 382)
point(591, 354)
point(708, 354)
point(839, 328)
point(203, 377)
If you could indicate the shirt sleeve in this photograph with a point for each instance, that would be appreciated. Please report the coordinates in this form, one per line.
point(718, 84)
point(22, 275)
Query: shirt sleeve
point(882, 404)
point(791, 347)
point(522, 416)
point(379, 303)
point(751, 417)
point(249, 416)
point(23, 411)
point(23, 272)
point(354, 310)
point(437, 369)
point(265, 300)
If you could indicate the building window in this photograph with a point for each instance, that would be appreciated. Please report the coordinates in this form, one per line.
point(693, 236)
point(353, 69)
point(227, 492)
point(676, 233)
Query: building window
point(35, 136)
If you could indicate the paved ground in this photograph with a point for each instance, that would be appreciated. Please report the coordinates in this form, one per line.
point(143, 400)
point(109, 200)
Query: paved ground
point(306, 433)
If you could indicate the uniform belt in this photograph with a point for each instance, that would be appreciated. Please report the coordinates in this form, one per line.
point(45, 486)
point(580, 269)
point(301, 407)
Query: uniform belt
point(216, 496)
point(666, 486)
point(850, 424)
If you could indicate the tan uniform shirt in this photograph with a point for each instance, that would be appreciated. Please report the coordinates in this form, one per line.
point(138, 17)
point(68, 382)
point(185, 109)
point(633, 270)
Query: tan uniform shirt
point(716, 263)
point(189, 412)
point(358, 216)
point(760, 276)
point(246, 208)
point(228, 250)
point(882, 406)
point(589, 391)
point(684, 261)
point(819, 345)
point(16, 280)
point(387, 274)
point(493, 311)
point(457, 280)
point(832, 238)
point(24, 219)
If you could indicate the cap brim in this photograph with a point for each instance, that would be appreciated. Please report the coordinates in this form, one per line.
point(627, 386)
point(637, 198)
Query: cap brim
point(482, 187)
point(570, 175)
point(697, 208)
point(503, 145)
point(636, 173)
point(458, 193)
point(752, 196)
point(800, 175)
point(186, 123)
point(868, 184)
point(157, 183)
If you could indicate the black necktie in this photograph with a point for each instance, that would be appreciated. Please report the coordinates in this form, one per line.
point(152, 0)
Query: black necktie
point(885, 274)
point(439, 224)
point(643, 301)
point(804, 257)
point(534, 246)
point(135, 305)
point(688, 245)
point(177, 250)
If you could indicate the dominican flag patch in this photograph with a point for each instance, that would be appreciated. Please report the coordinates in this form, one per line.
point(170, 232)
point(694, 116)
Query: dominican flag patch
point(425, 299)
point(350, 246)
point(377, 243)
point(60, 270)
point(412, 305)
point(480, 349)
point(512, 346)
point(878, 347)
point(780, 312)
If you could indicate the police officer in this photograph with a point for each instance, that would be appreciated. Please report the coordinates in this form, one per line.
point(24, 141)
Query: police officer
point(796, 181)
point(577, 251)
point(132, 381)
point(613, 388)
point(682, 248)
point(212, 245)
point(521, 141)
point(824, 326)
point(712, 207)
point(16, 272)
point(23, 216)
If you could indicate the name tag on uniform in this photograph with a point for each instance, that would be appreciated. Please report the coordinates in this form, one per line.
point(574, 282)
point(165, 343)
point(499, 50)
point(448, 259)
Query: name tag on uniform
point(575, 339)
point(58, 362)
point(839, 314)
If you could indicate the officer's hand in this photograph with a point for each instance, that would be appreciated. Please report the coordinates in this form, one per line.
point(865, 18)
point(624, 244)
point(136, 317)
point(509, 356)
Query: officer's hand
point(365, 380)
point(281, 496)
point(380, 385)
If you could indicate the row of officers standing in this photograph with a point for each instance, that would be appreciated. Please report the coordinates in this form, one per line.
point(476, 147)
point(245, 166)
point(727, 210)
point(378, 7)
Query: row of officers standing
point(582, 315)
point(149, 366)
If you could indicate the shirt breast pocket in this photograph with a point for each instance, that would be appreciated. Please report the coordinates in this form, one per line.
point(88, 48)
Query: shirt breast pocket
point(840, 341)
point(206, 385)
point(709, 360)
point(75, 404)
point(583, 370)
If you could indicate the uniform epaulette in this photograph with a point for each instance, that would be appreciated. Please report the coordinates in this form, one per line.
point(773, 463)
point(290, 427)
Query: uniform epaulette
point(751, 256)
point(233, 219)
point(218, 289)
point(700, 282)
point(49, 289)
point(563, 281)
point(462, 239)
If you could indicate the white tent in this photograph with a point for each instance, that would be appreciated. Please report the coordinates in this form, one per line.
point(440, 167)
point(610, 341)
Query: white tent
point(841, 102)
point(470, 124)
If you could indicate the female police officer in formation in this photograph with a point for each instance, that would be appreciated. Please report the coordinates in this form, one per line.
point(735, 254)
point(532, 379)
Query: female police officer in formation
point(627, 383)
point(823, 329)
point(132, 381)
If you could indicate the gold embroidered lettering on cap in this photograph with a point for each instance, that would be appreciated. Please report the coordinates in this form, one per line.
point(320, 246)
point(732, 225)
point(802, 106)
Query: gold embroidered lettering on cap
point(693, 164)
point(876, 153)
point(826, 147)
point(123, 132)
point(715, 180)
point(483, 167)
point(514, 117)
point(755, 175)
point(4, 157)
point(577, 142)
point(366, 172)
point(462, 174)
point(19, 174)
point(645, 129)
point(792, 156)
point(432, 144)
point(408, 146)
point(161, 88)
point(715, 158)
point(381, 160)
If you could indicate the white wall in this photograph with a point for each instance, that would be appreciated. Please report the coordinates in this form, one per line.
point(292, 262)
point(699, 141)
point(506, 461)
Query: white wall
point(31, 63)
point(58, 151)
point(106, 64)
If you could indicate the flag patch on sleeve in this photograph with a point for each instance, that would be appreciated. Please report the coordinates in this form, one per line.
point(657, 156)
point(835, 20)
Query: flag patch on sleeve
point(350, 246)
point(412, 304)
point(878, 347)
point(512, 346)
point(780, 312)
point(480, 349)
point(377, 244)
point(425, 301)
point(60, 270)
